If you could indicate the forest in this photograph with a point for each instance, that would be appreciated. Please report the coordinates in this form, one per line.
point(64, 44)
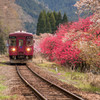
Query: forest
point(78, 43)
point(36, 6)
point(48, 22)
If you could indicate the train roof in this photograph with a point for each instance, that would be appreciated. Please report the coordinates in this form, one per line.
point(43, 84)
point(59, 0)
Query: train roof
point(20, 33)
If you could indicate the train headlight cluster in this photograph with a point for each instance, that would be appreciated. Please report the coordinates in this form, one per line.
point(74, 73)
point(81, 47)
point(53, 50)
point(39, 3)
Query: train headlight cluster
point(28, 49)
point(13, 49)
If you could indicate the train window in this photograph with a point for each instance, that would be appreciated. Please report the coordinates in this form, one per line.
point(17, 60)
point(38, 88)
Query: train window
point(12, 37)
point(20, 42)
point(12, 42)
point(29, 42)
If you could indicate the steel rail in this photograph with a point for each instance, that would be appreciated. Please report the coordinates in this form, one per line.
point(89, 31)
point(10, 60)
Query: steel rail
point(38, 94)
point(58, 87)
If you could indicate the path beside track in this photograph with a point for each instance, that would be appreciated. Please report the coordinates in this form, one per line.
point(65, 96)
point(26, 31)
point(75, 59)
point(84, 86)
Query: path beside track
point(9, 74)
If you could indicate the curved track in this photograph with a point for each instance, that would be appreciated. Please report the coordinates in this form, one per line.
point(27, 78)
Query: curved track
point(44, 89)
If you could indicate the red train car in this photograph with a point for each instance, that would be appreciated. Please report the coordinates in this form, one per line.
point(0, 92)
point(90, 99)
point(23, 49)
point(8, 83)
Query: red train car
point(21, 47)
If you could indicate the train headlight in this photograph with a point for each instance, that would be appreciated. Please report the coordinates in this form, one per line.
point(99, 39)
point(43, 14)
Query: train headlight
point(28, 49)
point(13, 49)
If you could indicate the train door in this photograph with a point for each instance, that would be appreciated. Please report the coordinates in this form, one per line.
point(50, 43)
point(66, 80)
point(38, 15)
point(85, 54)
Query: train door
point(21, 45)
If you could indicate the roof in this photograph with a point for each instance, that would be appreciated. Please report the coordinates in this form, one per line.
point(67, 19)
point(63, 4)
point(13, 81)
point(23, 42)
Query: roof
point(20, 33)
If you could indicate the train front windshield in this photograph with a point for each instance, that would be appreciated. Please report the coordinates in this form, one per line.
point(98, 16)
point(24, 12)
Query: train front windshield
point(12, 41)
point(20, 42)
point(29, 41)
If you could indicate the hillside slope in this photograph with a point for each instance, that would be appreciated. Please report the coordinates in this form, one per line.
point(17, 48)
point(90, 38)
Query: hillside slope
point(23, 14)
point(33, 8)
point(66, 6)
point(12, 16)
point(9, 16)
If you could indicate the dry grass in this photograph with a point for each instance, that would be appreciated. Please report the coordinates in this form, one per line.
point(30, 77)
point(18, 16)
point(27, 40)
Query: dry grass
point(85, 81)
point(94, 80)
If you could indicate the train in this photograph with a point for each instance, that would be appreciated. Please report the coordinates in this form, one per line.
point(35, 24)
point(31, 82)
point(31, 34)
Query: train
point(21, 47)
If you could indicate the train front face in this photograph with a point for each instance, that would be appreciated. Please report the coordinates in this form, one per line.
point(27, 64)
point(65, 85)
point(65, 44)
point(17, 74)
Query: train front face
point(20, 47)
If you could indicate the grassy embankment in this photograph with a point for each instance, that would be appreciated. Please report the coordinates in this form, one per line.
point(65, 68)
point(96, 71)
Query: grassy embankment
point(80, 80)
point(3, 87)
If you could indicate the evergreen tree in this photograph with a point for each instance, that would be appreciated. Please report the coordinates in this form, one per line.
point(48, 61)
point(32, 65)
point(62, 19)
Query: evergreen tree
point(41, 25)
point(65, 19)
point(38, 26)
point(44, 13)
point(52, 22)
point(2, 45)
point(55, 15)
point(48, 13)
point(48, 25)
point(59, 18)
point(48, 22)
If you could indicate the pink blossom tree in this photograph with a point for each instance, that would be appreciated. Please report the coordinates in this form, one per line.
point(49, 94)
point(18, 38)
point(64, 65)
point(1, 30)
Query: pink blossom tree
point(73, 43)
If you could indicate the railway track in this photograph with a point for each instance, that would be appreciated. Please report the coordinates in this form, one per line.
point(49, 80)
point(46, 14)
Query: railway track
point(44, 89)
